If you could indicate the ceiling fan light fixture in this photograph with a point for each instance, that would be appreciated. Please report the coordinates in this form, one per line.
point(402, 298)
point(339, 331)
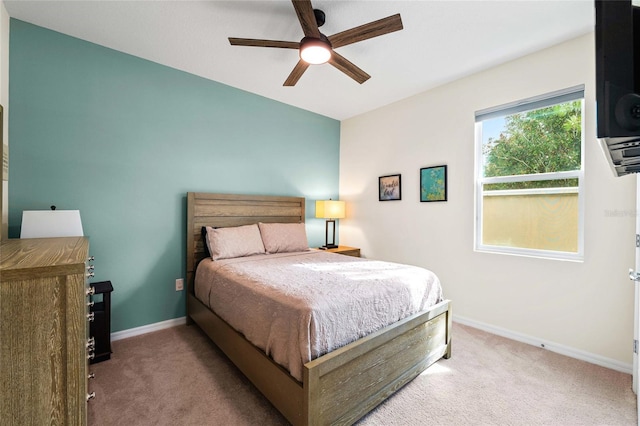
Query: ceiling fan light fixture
point(314, 51)
point(316, 48)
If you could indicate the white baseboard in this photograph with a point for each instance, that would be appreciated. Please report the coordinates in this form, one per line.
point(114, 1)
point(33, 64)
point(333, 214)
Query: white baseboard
point(554, 347)
point(124, 334)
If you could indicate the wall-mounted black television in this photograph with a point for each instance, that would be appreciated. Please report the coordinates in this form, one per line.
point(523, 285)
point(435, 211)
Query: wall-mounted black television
point(617, 35)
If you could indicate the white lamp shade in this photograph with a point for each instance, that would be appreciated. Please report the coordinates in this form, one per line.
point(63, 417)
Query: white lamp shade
point(51, 223)
point(330, 209)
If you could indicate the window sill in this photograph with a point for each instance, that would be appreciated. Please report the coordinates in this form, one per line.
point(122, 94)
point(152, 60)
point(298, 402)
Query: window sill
point(538, 254)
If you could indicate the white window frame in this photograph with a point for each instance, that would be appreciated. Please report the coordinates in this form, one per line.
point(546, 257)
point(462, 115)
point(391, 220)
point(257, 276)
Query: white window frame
point(549, 99)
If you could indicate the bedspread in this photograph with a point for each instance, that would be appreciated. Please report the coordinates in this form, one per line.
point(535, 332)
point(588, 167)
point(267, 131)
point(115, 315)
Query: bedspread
point(299, 306)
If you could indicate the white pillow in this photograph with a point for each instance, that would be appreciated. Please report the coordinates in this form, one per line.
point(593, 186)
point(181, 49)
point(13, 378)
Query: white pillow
point(237, 241)
point(284, 237)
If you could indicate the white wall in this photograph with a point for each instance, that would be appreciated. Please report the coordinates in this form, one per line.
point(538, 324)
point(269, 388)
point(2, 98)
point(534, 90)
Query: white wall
point(584, 306)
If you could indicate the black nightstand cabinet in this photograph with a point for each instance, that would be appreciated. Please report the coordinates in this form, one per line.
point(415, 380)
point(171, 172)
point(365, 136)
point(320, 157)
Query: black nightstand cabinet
point(100, 328)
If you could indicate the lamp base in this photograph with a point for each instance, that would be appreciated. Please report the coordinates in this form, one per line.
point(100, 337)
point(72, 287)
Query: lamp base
point(329, 246)
point(332, 244)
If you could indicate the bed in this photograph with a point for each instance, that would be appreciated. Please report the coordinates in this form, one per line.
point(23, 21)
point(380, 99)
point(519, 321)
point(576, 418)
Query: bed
point(336, 388)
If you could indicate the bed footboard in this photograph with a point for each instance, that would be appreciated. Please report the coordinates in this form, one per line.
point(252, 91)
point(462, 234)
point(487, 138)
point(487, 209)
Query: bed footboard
point(345, 384)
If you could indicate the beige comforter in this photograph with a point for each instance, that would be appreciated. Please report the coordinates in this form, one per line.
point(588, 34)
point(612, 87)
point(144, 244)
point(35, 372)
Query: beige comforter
point(299, 306)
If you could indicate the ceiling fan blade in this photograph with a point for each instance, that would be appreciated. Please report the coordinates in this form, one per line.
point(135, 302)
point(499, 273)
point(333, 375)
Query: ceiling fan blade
point(364, 32)
point(307, 18)
point(348, 67)
point(264, 43)
point(297, 72)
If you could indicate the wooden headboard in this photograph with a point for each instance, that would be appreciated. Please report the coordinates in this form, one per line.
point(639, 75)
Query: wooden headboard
point(220, 210)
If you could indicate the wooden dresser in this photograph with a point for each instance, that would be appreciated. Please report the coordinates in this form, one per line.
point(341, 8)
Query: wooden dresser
point(44, 345)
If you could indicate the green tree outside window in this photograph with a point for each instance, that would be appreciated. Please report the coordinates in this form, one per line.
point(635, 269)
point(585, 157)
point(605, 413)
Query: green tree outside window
point(544, 140)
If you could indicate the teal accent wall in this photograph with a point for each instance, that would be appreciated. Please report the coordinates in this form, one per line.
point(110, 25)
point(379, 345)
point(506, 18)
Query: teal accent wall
point(124, 139)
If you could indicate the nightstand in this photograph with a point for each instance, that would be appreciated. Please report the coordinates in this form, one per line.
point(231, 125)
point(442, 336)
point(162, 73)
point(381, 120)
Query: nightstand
point(348, 251)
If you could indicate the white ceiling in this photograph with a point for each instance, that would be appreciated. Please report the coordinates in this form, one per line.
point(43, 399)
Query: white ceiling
point(441, 41)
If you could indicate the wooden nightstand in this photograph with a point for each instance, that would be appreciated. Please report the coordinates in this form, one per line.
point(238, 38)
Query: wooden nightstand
point(348, 251)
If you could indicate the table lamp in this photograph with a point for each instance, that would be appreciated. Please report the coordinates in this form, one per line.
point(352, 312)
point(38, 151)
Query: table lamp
point(330, 210)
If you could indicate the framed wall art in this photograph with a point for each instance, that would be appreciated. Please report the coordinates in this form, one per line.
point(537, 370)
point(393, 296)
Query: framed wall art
point(433, 184)
point(389, 188)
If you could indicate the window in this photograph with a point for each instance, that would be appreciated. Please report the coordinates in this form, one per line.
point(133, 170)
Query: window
point(529, 176)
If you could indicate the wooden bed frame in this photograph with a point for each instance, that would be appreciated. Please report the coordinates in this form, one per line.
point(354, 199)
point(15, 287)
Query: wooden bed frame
point(341, 386)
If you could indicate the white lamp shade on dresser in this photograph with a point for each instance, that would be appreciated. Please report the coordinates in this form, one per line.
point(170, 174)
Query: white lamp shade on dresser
point(51, 223)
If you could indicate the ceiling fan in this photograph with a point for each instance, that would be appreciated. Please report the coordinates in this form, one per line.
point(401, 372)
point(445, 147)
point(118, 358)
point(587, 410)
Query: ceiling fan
point(316, 48)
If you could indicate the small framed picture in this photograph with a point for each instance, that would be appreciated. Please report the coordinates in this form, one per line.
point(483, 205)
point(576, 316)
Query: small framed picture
point(389, 188)
point(433, 184)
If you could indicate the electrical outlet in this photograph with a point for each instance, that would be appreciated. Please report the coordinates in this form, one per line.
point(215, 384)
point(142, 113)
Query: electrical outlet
point(179, 284)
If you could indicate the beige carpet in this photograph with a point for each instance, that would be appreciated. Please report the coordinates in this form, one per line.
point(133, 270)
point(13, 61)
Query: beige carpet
point(178, 377)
